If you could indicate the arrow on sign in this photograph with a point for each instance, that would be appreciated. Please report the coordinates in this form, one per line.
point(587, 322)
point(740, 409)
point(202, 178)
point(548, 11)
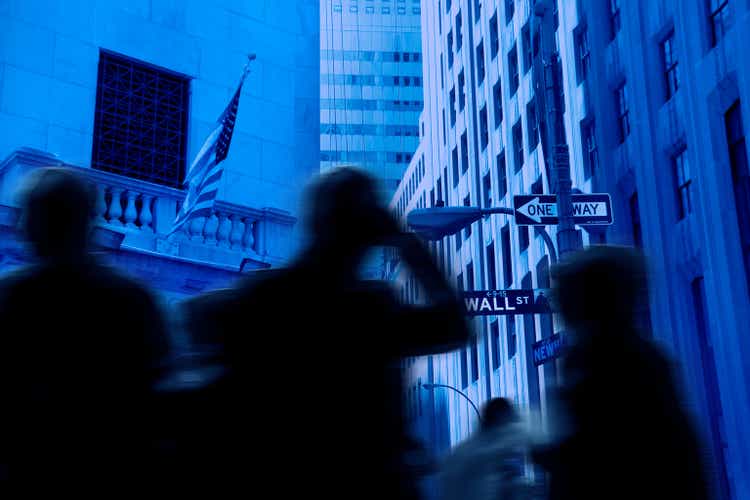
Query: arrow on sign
point(535, 210)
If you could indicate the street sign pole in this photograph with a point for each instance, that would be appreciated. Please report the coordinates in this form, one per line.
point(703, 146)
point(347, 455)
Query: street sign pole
point(568, 238)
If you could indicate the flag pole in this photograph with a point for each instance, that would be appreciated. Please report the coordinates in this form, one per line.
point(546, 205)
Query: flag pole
point(245, 71)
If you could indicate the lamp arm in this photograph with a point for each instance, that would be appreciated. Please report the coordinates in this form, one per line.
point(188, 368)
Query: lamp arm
point(479, 415)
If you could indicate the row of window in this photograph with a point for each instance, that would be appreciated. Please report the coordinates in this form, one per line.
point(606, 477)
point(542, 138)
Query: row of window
point(379, 80)
point(411, 187)
point(365, 156)
point(371, 10)
point(371, 104)
point(719, 14)
point(370, 55)
point(369, 129)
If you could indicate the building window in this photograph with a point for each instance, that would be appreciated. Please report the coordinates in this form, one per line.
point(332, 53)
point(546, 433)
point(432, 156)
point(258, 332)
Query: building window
point(444, 131)
point(337, 8)
point(502, 181)
point(740, 177)
point(495, 340)
point(140, 123)
point(513, 70)
point(583, 54)
point(588, 142)
point(507, 262)
point(480, 63)
point(614, 17)
point(467, 233)
point(461, 91)
point(453, 106)
point(635, 219)
point(509, 8)
point(385, 10)
point(464, 153)
point(449, 50)
point(454, 158)
point(459, 35)
point(469, 275)
point(486, 191)
point(719, 12)
point(670, 66)
point(447, 6)
point(442, 72)
point(682, 177)
point(464, 369)
point(497, 102)
point(555, 15)
point(484, 127)
point(623, 119)
point(536, 187)
point(523, 238)
point(532, 125)
point(491, 277)
point(474, 359)
point(494, 37)
point(518, 145)
point(711, 383)
point(510, 323)
point(526, 41)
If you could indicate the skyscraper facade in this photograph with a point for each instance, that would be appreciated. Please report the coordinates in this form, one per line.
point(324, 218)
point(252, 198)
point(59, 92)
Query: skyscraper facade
point(655, 115)
point(370, 86)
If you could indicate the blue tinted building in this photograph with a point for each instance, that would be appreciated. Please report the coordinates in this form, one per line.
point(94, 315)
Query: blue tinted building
point(127, 92)
point(655, 112)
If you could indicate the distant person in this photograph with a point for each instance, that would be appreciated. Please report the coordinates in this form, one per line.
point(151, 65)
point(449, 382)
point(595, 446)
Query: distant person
point(80, 346)
point(314, 354)
point(490, 464)
point(625, 433)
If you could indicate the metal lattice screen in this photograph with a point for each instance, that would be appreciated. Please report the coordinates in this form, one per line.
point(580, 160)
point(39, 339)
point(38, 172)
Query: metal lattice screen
point(140, 128)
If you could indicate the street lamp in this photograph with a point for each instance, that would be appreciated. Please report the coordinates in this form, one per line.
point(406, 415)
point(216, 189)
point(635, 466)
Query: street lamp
point(438, 222)
point(430, 387)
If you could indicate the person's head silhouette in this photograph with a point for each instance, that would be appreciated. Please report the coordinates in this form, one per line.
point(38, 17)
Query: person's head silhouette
point(601, 286)
point(497, 412)
point(56, 213)
point(344, 215)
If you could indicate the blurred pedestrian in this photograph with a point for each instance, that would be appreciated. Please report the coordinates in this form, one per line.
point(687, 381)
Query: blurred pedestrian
point(625, 432)
point(80, 346)
point(489, 465)
point(314, 353)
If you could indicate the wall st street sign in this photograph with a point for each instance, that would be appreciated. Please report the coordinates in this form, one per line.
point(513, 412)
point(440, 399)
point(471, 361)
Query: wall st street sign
point(547, 349)
point(541, 209)
point(507, 302)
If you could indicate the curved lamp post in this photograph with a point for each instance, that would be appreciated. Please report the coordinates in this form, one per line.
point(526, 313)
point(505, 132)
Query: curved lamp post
point(438, 222)
point(430, 387)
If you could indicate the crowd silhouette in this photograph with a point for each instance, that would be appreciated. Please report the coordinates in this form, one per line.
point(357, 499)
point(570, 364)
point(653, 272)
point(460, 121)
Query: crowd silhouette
point(305, 391)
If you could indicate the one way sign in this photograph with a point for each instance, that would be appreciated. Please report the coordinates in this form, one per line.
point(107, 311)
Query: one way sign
point(541, 209)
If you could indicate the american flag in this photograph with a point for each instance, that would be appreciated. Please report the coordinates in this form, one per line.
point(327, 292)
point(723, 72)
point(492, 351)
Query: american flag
point(202, 179)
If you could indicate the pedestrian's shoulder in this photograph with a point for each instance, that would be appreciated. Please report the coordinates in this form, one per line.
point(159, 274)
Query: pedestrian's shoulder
point(15, 279)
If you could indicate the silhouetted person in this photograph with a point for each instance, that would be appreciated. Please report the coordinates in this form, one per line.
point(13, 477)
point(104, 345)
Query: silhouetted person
point(489, 465)
point(624, 432)
point(314, 354)
point(79, 348)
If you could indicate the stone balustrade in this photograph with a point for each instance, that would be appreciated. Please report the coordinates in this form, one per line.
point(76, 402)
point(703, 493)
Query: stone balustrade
point(145, 212)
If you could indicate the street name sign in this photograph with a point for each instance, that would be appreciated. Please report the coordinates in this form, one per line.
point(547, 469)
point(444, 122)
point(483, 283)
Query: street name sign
point(541, 209)
point(547, 349)
point(507, 302)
